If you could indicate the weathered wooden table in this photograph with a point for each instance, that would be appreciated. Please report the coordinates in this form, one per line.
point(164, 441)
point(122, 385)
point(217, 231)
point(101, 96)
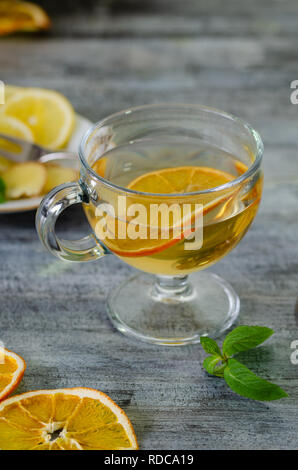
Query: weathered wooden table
point(238, 56)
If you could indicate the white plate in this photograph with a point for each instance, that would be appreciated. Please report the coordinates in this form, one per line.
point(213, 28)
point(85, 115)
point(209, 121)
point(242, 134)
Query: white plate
point(28, 204)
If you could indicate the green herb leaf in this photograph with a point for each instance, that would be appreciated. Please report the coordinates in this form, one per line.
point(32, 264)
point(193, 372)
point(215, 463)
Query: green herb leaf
point(210, 364)
point(2, 190)
point(210, 346)
point(244, 382)
point(243, 338)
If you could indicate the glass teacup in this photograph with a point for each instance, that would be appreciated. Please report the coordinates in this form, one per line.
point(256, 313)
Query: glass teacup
point(169, 189)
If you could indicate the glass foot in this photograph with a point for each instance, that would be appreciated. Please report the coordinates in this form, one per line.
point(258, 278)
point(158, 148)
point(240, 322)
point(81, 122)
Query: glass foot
point(173, 311)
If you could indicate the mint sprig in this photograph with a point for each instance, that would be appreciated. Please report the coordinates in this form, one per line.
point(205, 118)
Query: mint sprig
point(2, 191)
point(244, 338)
point(238, 377)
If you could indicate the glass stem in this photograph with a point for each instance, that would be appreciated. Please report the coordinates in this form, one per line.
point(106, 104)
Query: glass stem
point(172, 288)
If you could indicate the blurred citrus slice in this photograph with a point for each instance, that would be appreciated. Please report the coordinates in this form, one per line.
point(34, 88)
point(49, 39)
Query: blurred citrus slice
point(47, 113)
point(179, 180)
point(15, 128)
point(100, 166)
point(10, 125)
point(12, 368)
point(64, 419)
point(10, 90)
point(21, 16)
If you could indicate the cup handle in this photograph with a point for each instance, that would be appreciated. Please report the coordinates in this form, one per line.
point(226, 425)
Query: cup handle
point(53, 204)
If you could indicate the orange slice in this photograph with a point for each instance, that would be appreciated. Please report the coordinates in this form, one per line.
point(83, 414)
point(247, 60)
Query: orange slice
point(21, 16)
point(100, 166)
point(185, 179)
point(179, 180)
point(12, 368)
point(64, 419)
point(240, 167)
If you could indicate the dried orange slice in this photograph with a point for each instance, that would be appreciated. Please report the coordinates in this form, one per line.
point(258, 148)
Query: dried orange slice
point(178, 180)
point(64, 419)
point(185, 179)
point(22, 16)
point(12, 368)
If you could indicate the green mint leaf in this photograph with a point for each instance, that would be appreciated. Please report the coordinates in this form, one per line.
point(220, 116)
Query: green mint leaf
point(243, 338)
point(2, 190)
point(210, 346)
point(210, 364)
point(244, 382)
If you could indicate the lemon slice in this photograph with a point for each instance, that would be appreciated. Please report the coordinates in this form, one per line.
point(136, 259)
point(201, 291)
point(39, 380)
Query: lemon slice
point(47, 113)
point(10, 91)
point(21, 16)
point(12, 368)
point(64, 419)
point(14, 127)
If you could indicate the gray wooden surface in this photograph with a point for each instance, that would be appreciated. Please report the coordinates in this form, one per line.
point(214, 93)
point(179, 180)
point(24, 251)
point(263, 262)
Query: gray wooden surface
point(239, 56)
